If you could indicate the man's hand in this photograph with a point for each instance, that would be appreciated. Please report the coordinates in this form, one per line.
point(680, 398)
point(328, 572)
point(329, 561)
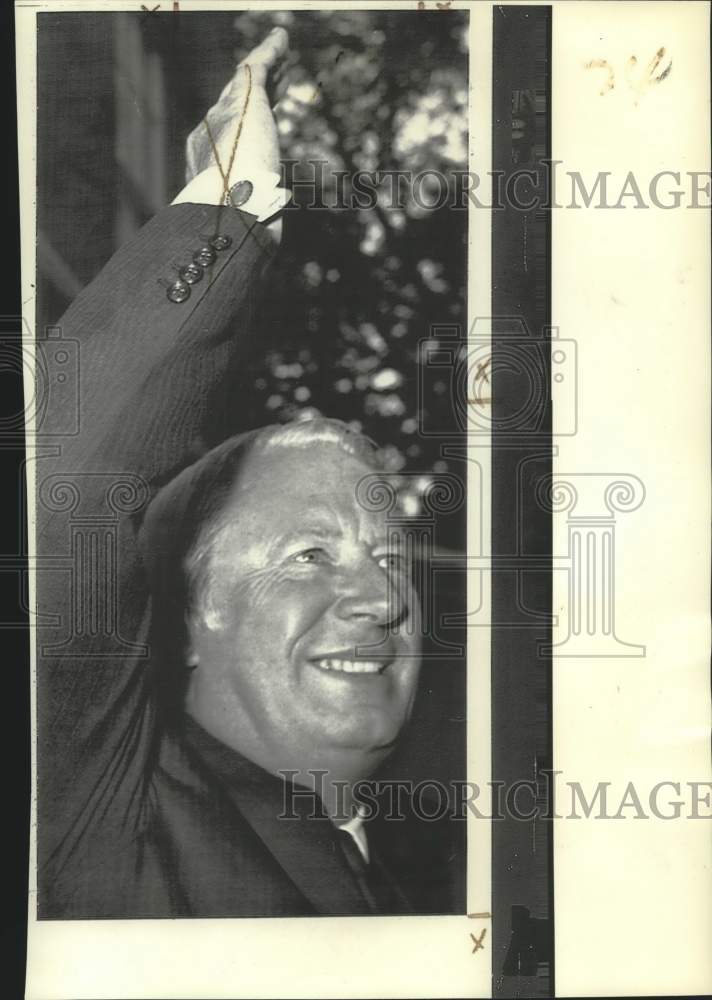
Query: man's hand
point(258, 147)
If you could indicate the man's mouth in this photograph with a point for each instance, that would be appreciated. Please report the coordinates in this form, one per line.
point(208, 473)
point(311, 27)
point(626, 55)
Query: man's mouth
point(347, 666)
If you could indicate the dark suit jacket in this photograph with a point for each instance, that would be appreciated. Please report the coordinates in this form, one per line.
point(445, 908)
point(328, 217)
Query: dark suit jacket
point(139, 815)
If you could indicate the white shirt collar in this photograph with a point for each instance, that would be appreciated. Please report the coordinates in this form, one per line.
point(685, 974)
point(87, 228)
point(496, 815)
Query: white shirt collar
point(357, 830)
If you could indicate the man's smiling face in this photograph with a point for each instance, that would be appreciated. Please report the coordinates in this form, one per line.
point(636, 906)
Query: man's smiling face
point(306, 636)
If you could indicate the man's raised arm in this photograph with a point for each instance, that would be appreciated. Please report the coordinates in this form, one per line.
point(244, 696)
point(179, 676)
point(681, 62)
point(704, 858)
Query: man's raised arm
point(160, 325)
point(157, 329)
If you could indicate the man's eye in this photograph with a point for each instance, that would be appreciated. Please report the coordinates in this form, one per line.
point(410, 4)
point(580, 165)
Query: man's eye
point(310, 556)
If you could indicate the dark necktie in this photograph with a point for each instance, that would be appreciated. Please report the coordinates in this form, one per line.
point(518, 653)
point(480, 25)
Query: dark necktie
point(377, 887)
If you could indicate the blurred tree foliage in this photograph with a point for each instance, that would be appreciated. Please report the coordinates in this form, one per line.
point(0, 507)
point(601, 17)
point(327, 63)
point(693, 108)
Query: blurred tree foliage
point(358, 290)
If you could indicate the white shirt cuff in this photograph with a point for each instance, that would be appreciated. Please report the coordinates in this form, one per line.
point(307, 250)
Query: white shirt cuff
point(257, 192)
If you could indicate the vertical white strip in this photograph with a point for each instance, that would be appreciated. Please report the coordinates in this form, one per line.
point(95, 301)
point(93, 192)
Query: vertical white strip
point(479, 717)
point(633, 899)
point(26, 72)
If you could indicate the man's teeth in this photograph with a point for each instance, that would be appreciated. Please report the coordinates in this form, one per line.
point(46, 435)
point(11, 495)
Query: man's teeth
point(351, 666)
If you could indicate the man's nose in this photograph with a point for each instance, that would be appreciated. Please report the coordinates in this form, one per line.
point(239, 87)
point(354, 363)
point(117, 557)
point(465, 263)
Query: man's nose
point(371, 594)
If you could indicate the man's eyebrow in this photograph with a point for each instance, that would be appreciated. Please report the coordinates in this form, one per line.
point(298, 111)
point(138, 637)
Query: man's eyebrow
point(314, 529)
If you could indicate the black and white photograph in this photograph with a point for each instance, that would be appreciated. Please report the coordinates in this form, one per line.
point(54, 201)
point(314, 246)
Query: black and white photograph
point(250, 679)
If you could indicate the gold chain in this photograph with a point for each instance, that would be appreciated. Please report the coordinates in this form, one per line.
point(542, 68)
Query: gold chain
point(226, 174)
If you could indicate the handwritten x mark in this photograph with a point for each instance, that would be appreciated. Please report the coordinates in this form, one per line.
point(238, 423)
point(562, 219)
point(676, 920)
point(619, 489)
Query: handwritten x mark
point(481, 372)
point(478, 941)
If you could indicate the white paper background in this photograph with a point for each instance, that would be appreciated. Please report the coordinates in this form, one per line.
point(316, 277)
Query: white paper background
point(633, 899)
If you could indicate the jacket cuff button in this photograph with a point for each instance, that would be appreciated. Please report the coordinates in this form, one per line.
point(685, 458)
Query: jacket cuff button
point(179, 291)
point(220, 241)
point(191, 273)
point(205, 256)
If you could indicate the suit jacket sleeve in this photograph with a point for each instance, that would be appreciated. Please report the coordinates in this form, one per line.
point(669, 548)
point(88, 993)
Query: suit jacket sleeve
point(147, 368)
